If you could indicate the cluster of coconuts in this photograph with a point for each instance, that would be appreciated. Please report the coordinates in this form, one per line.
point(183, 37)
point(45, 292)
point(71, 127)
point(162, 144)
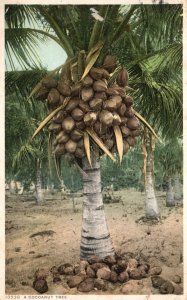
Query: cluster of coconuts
point(96, 273)
point(93, 104)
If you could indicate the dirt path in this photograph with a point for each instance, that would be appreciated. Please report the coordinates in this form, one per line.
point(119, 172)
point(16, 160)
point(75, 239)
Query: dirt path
point(49, 235)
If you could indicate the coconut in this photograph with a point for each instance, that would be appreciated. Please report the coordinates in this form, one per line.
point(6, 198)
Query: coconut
point(61, 99)
point(128, 101)
point(55, 127)
point(80, 125)
point(90, 118)
point(121, 91)
point(122, 110)
point(79, 153)
point(68, 124)
point(125, 131)
point(59, 150)
point(42, 94)
point(49, 82)
point(76, 135)
point(129, 112)
point(116, 119)
point(110, 63)
point(77, 114)
point(100, 128)
point(117, 99)
point(99, 86)
point(96, 104)
point(106, 74)
point(72, 103)
point(53, 97)
point(59, 117)
point(75, 280)
point(133, 123)
point(106, 117)
point(110, 105)
point(123, 276)
point(124, 120)
point(87, 81)
point(122, 78)
point(70, 146)
point(135, 132)
point(112, 91)
point(76, 89)
point(100, 95)
point(87, 94)
point(80, 144)
point(109, 143)
point(40, 285)
point(131, 140)
point(84, 106)
point(62, 137)
point(64, 88)
point(104, 273)
point(113, 277)
point(86, 286)
point(96, 73)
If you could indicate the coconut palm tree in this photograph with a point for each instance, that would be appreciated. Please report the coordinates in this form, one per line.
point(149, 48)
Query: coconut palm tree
point(170, 157)
point(93, 30)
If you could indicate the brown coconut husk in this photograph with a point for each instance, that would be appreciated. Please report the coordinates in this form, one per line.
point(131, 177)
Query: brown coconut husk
point(55, 127)
point(62, 137)
point(116, 119)
point(111, 91)
point(99, 86)
point(106, 118)
point(109, 143)
point(77, 114)
point(125, 131)
point(53, 97)
point(122, 78)
point(96, 104)
point(131, 140)
point(87, 94)
point(128, 101)
point(64, 88)
point(135, 132)
point(70, 146)
point(90, 118)
point(133, 123)
point(80, 125)
point(87, 81)
point(129, 113)
point(59, 150)
point(100, 128)
point(84, 106)
point(110, 105)
point(72, 103)
point(68, 124)
point(96, 73)
point(110, 63)
point(100, 95)
point(117, 99)
point(42, 94)
point(59, 117)
point(79, 153)
point(122, 110)
point(76, 135)
point(49, 82)
point(124, 120)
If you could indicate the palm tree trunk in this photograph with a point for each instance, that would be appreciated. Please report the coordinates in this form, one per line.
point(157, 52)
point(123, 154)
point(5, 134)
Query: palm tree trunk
point(39, 193)
point(95, 239)
point(152, 211)
point(177, 187)
point(170, 201)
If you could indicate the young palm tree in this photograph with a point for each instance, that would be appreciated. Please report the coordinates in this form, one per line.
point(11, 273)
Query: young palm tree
point(93, 36)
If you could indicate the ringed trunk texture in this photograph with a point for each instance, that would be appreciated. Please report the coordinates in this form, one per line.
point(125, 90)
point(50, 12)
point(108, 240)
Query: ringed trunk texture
point(177, 187)
point(170, 201)
point(39, 193)
point(152, 211)
point(95, 237)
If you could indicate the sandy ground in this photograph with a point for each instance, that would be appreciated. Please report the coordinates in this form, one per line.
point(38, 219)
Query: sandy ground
point(160, 243)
